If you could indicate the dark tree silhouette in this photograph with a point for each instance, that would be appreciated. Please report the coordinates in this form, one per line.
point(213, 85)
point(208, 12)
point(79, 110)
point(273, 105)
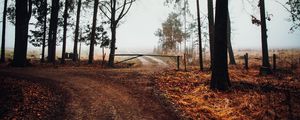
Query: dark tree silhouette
point(75, 57)
point(3, 32)
point(230, 50)
point(210, 7)
point(53, 31)
point(68, 4)
point(37, 36)
point(199, 35)
point(265, 69)
point(220, 78)
point(100, 35)
point(114, 10)
point(92, 43)
point(23, 15)
point(45, 30)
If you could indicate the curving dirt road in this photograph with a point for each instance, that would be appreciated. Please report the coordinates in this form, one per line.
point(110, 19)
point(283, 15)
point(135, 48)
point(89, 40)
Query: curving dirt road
point(105, 94)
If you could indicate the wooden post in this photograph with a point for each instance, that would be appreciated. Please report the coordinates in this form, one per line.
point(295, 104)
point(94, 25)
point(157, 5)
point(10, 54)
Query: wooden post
point(274, 62)
point(178, 62)
point(246, 61)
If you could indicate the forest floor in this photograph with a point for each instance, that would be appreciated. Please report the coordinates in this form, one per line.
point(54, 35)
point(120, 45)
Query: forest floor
point(147, 90)
point(251, 96)
point(80, 92)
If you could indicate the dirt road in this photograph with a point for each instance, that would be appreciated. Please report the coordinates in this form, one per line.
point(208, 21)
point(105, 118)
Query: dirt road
point(105, 94)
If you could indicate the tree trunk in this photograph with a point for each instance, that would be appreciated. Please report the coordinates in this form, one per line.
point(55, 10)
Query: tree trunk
point(185, 38)
point(220, 78)
point(265, 69)
point(63, 57)
point(45, 30)
point(103, 56)
point(229, 45)
point(75, 58)
point(91, 54)
point(113, 45)
point(79, 54)
point(210, 7)
point(23, 14)
point(3, 32)
point(199, 35)
point(53, 31)
point(113, 27)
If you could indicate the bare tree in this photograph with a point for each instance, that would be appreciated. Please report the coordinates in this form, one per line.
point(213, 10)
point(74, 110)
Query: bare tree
point(114, 11)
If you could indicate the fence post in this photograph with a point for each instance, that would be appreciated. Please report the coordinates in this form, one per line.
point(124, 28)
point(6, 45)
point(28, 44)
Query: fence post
point(274, 62)
point(178, 62)
point(184, 61)
point(246, 61)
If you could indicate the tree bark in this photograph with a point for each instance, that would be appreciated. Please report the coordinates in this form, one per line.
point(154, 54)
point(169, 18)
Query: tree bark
point(113, 45)
point(75, 51)
point(91, 53)
point(63, 57)
point(53, 31)
point(199, 35)
point(45, 30)
point(220, 78)
point(265, 69)
point(23, 14)
point(210, 7)
point(113, 27)
point(3, 32)
point(229, 45)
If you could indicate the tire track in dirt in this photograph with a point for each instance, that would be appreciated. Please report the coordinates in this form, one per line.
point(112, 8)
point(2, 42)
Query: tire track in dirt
point(103, 94)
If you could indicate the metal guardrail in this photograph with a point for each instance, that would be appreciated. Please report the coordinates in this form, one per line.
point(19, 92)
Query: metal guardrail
point(153, 55)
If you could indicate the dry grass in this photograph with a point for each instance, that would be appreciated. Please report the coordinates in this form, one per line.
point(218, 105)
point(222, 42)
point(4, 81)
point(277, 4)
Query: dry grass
point(251, 96)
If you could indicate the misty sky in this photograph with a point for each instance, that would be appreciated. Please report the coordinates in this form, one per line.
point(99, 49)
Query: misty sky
point(145, 17)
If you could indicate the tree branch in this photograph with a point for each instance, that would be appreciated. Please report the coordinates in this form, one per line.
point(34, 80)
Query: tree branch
point(122, 14)
point(105, 3)
point(123, 5)
point(104, 13)
point(123, 8)
point(293, 14)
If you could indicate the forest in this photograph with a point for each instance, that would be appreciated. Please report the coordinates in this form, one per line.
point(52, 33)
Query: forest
point(79, 70)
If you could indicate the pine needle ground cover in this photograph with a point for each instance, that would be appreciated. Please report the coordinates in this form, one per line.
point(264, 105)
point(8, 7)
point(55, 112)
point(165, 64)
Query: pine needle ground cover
point(251, 96)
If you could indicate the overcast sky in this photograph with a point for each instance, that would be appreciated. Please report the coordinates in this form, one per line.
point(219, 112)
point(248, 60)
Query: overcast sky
point(145, 17)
